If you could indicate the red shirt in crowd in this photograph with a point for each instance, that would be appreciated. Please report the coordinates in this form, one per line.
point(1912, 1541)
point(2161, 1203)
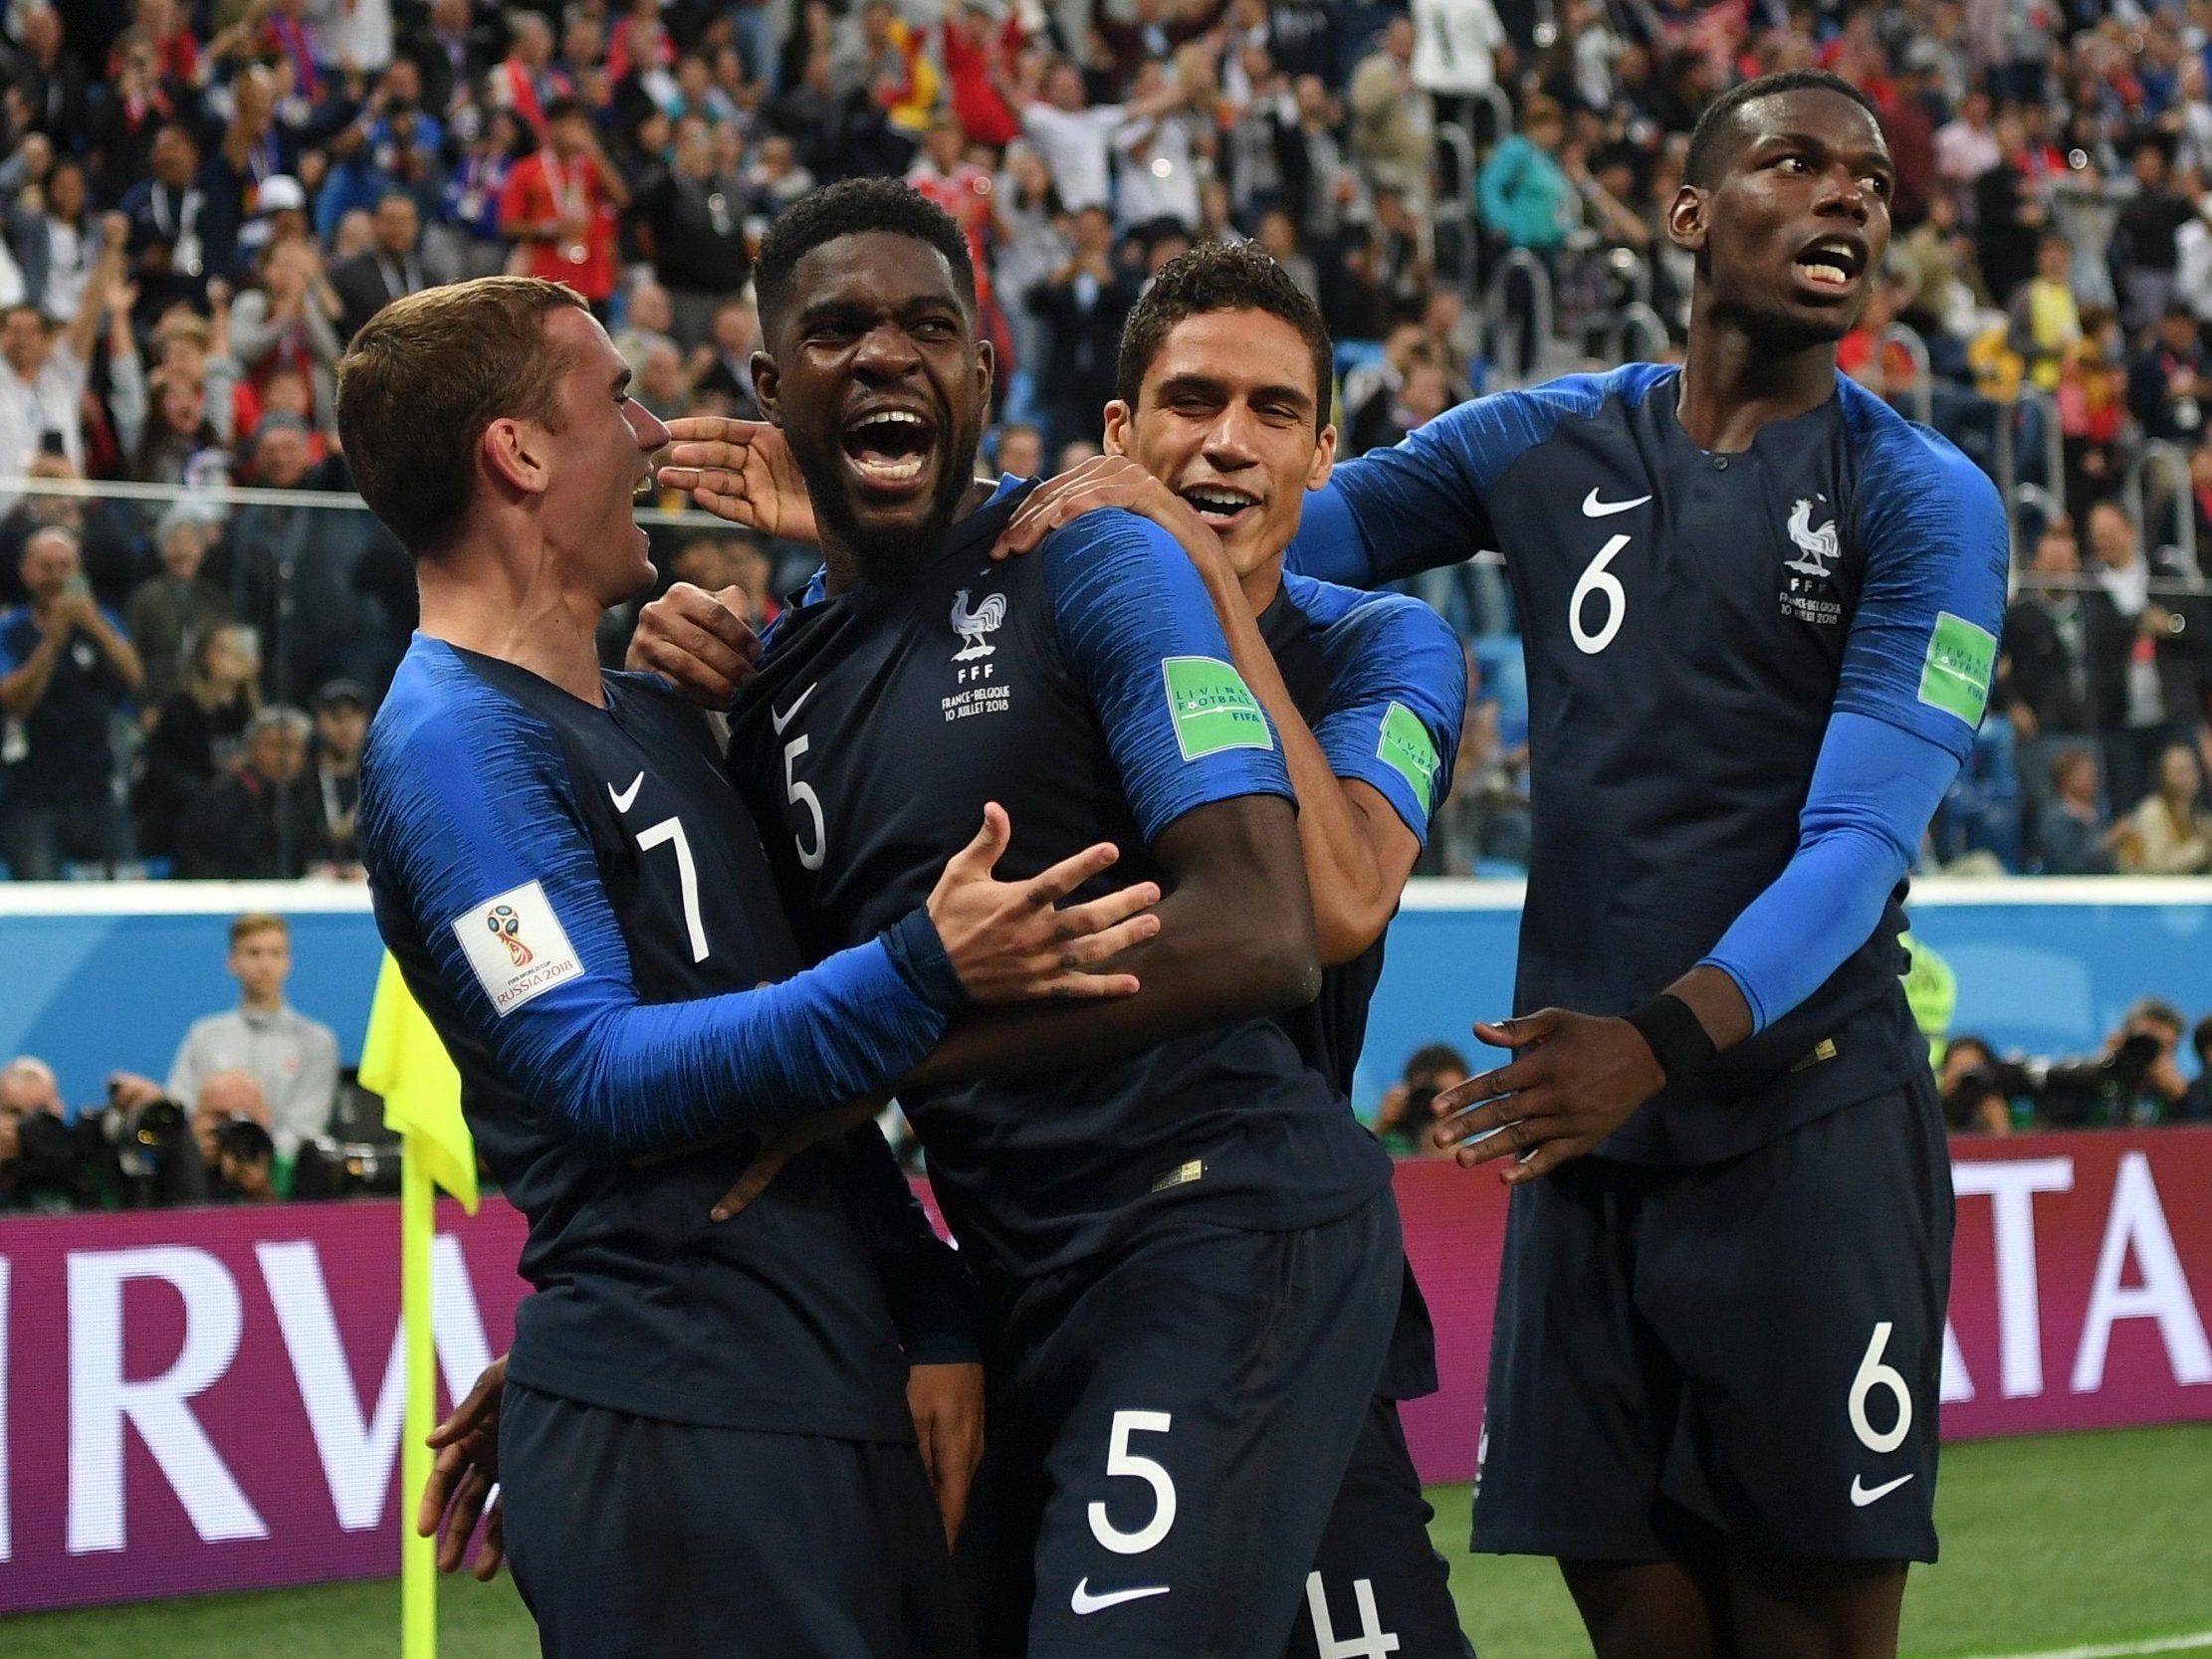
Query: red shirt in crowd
point(543, 187)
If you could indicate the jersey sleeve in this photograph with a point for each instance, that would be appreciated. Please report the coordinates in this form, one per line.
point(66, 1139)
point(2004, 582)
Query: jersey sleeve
point(1136, 626)
point(1874, 787)
point(1399, 675)
point(471, 828)
point(1425, 501)
point(1922, 648)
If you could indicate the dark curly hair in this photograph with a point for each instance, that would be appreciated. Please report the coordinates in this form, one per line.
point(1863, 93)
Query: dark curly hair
point(1222, 277)
point(851, 208)
point(1708, 150)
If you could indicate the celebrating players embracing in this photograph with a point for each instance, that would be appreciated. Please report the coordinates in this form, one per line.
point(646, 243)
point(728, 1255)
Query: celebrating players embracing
point(707, 1425)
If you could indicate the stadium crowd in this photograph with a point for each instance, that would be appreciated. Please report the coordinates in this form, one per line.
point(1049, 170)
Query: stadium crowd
point(202, 200)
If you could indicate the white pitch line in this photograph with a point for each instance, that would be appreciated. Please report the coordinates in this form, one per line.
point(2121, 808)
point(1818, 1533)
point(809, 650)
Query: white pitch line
point(2114, 1650)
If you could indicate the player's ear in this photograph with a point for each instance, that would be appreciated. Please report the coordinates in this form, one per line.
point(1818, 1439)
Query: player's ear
point(1685, 218)
point(766, 387)
point(514, 453)
point(1119, 417)
point(987, 371)
point(1324, 459)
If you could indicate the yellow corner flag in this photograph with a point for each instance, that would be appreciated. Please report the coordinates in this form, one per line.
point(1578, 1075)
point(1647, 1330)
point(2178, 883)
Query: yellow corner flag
point(404, 1060)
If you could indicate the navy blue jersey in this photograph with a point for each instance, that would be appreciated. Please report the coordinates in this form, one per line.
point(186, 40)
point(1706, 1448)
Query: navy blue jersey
point(1381, 682)
point(1691, 622)
point(581, 906)
point(1088, 689)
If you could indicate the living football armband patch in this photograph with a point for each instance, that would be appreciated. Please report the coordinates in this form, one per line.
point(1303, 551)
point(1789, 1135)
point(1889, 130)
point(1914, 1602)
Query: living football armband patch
point(1211, 708)
point(1954, 676)
point(517, 946)
point(1405, 745)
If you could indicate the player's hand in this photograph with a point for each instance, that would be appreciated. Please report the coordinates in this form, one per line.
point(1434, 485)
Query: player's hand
point(698, 640)
point(741, 471)
point(788, 1143)
point(1009, 941)
point(1110, 481)
point(462, 1480)
point(1574, 1081)
point(948, 1406)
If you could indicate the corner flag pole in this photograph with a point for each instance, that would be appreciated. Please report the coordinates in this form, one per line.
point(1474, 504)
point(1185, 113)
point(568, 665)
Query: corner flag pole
point(418, 1559)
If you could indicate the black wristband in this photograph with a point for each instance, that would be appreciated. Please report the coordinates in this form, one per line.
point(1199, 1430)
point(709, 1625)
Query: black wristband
point(1679, 1040)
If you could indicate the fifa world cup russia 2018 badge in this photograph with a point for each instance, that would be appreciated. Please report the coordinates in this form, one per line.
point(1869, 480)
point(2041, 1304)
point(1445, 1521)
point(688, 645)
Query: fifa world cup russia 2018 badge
point(508, 927)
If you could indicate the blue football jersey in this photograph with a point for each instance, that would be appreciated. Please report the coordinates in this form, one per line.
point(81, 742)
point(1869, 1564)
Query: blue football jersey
point(1087, 689)
point(1691, 621)
point(1381, 682)
point(581, 906)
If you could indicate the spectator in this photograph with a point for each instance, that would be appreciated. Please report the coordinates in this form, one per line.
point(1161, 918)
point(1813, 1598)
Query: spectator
point(722, 367)
point(2172, 828)
point(2047, 677)
point(66, 667)
point(2010, 217)
point(1393, 119)
point(341, 710)
point(230, 1128)
point(2070, 835)
point(451, 53)
point(2045, 319)
point(45, 369)
point(1524, 193)
point(292, 322)
point(293, 1060)
point(1084, 305)
point(1407, 1114)
point(560, 204)
point(2147, 656)
point(261, 822)
point(1972, 1102)
point(978, 44)
point(2170, 380)
point(170, 613)
point(366, 283)
point(198, 735)
point(177, 240)
point(1074, 138)
point(2148, 223)
point(49, 76)
point(2196, 1105)
point(60, 246)
point(650, 315)
point(29, 1090)
point(1020, 451)
point(1966, 147)
point(693, 217)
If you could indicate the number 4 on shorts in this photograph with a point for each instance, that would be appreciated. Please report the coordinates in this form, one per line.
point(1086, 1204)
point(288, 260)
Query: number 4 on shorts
point(1370, 1641)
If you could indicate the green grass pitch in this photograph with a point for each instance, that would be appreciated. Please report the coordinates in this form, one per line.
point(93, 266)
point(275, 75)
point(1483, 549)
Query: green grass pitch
point(2083, 1540)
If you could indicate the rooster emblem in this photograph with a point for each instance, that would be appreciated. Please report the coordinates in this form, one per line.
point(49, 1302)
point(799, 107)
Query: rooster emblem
point(972, 625)
point(1814, 545)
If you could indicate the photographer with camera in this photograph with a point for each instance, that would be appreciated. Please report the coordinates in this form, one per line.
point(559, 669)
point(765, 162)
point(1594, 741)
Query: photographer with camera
point(230, 1124)
point(131, 1152)
point(1406, 1116)
point(2134, 1081)
point(1976, 1100)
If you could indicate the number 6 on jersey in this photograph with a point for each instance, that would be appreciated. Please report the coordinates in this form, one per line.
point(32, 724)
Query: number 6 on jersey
point(1598, 580)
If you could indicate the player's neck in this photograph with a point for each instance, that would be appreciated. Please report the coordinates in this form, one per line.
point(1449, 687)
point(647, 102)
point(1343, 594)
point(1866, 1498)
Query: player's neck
point(1733, 385)
point(845, 568)
point(509, 604)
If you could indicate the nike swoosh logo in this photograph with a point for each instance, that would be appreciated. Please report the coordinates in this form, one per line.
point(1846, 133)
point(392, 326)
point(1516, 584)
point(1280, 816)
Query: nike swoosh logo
point(787, 715)
point(1591, 508)
point(1861, 1497)
point(624, 797)
point(1085, 1602)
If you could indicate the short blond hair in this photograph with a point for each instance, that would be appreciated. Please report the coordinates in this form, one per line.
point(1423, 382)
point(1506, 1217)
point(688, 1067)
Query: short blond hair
point(258, 921)
point(425, 377)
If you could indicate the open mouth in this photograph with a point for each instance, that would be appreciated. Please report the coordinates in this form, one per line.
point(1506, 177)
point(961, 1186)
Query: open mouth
point(1223, 505)
point(889, 448)
point(1833, 265)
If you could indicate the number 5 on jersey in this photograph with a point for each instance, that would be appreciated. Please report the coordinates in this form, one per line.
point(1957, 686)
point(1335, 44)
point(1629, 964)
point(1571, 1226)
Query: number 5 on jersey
point(1598, 580)
point(1120, 1460)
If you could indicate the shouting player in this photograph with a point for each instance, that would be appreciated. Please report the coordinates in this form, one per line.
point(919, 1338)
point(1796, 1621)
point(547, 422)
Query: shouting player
point(581, 906)
point(1219, 429)
point(1190, 1259)
point(1760, 614)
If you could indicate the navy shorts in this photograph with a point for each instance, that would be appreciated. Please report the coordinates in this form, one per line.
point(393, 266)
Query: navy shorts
point(1169, 1426)
point(629, 1535)
point(1754, 1345)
